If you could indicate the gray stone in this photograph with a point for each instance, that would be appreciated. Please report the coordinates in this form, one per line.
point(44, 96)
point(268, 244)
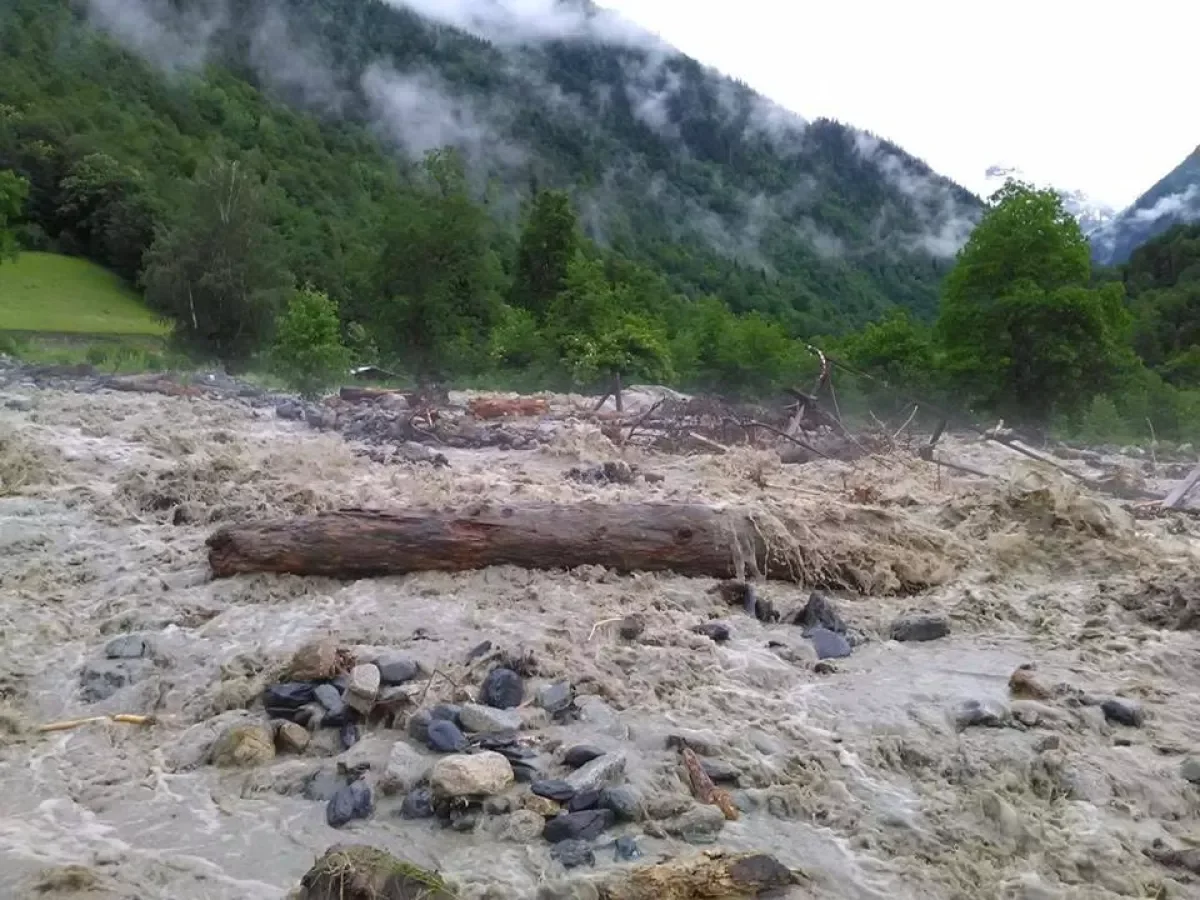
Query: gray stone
point(502, 689)
point(290, 737)
point(624, 801)
point(699, 825)
point(580, 826)
point(520, 827)
point(626, 849)
point(920, 627)
point(581, 755)
point(418, 804)
point(488, 720)
point(553, 789)
point(556, 697)
point(406, 768)
point(1124, 712)
point(397, 669)
point(127, 646)
point(720, 771)
point(363, 687)
point(476, 775)
point(100, 679)
point(243, 745)
point(985, 713)
point(829, 644)
point(598, 773)
point(819, 612)
point(445, 737)
point(573, 853)
point(1190, 769)
point(418, 724)
point(715, 631)
point(354, 801)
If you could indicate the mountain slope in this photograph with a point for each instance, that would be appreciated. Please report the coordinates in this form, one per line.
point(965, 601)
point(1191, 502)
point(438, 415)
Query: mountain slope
point(1174, 200)
point(1090, 214)
point(818, 224)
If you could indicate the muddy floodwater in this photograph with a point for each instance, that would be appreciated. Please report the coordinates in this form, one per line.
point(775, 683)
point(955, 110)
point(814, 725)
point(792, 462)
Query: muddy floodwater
point(906, 770)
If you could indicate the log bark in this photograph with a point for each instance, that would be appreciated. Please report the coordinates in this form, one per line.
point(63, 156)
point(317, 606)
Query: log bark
point(650, 537)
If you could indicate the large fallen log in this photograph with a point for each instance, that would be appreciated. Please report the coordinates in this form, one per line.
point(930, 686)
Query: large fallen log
point(686, 539)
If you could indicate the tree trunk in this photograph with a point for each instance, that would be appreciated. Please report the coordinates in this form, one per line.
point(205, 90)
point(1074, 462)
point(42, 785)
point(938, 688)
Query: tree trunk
point(686, 539)
point(617, 398)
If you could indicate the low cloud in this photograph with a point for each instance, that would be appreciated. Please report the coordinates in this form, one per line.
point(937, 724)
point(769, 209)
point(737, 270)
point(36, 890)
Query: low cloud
point(1183, 205)
point(172, 38)
point(531, 21)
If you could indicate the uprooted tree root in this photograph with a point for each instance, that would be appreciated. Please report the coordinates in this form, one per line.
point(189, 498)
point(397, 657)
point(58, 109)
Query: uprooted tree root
point(710, 876)
point(361, 872)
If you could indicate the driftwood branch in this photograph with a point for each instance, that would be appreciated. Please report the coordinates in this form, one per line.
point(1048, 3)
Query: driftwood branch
point(1182, 489)
point(686, 539)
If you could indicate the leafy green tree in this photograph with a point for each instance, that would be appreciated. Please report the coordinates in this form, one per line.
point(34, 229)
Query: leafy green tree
point(13, 190)
point(1020, 327)
point(308, 350)
point(437, 274)
point(547, 246)
point(107, 208)
point(217, 267)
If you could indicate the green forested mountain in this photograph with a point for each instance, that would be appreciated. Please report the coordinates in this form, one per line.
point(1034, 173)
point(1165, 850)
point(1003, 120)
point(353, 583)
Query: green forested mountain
point(816, 225)
point(1162, 279)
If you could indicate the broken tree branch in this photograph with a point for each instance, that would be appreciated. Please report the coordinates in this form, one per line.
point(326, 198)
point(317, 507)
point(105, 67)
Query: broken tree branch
point(1182, 489)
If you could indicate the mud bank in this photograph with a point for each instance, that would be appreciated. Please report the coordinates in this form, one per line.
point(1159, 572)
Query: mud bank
point(870, 774)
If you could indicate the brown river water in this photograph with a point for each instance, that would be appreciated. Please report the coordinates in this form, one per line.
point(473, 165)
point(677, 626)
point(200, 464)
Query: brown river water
point(857, 776)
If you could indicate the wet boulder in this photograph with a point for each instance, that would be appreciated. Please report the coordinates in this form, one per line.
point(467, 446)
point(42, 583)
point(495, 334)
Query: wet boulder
point(284, 701)
point(581, 755)
point(718, 632)
point(480, 719)
point(475, 775)
point(573, 853)
point(100, 679)
point(354, 801)
point(359, 872)
point(502, 689)
point(1123, 712)
point(445, 737)
point(243, 745)
point(128, 646)
point(290, 737)
point(919, 627)
point(819, 612)
point(318, 661)
point(397, 669)
point(828, 644)
point(406, 768)
point(578, 826)
point(363, 687)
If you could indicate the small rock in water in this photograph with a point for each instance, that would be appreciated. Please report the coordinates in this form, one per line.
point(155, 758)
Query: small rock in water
point(290, 737)
point(699, 825)
point(354, 801)
point(1023, 684)
point(502, 689)
point(499, 806)
point(1124, 712)
point(720, 771)
point(100, 679)
point(488, 720)
point(318, 661)
point(631, 627)
point(127, 646)
point(406, 768)
point(623, 801)
point(445, 737)
point(337, 713)
point(396, 669)
point(715, 631)
point(525, 772)
point(598, 773)
point(521, 826)
point(417, 804)
point(363, 687)
point(464, 820)
point(626, 849)
point(323, 784)
point(556, 697)
point(819, 612)
point(583, 800)
point(543, 806)
point(580, 755)
point(477, 775)
point(1190, 769)
point(418, 724)
point(761, 873)
point(583, 826)
point(349, 735)
point(573, 853)
point(920, 627)
point(553, 789)
point(828, 644)
point(987, 713)
point(243, 745)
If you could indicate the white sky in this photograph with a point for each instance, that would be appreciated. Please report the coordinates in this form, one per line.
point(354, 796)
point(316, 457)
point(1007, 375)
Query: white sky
point(1092, 96)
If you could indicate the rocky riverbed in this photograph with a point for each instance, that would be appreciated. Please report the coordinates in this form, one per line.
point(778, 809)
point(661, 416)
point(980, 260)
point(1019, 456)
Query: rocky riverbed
point(1008, 706)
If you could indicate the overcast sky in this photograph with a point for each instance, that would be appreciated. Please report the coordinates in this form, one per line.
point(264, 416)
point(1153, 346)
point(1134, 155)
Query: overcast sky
point(1099, 97)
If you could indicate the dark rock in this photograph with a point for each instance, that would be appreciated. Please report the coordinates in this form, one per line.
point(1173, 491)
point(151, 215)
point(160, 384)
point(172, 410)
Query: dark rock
point(985, 713)
point(448, 712)
point(716, 631)
point(464, 820)
point(127, 646)
point(582, 826)
point(626, 849)
point(291, 410)
point(631, 627)
point(348, 735)
point(760, 873)
point(573, 853)
point(102, 678)
point(553, 789)
point(920, 627)
point(828, 644)
point(819, 612)
point(581, 755)
point(1123, 712)
point(444, 736)
point(623, 801)
point(417, 804)
point(720, 771)
point(589, 799)
point(397, 669)
point(337, 713)
point(352, 802)
point(417, 725)
point(478, 650)
point(556, 697)
point(825, 667)
point(525, 772)
point(323, 784)
point(502, 689)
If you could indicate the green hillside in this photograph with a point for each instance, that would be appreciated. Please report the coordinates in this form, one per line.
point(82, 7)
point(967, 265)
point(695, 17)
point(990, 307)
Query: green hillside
point(46, 292)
